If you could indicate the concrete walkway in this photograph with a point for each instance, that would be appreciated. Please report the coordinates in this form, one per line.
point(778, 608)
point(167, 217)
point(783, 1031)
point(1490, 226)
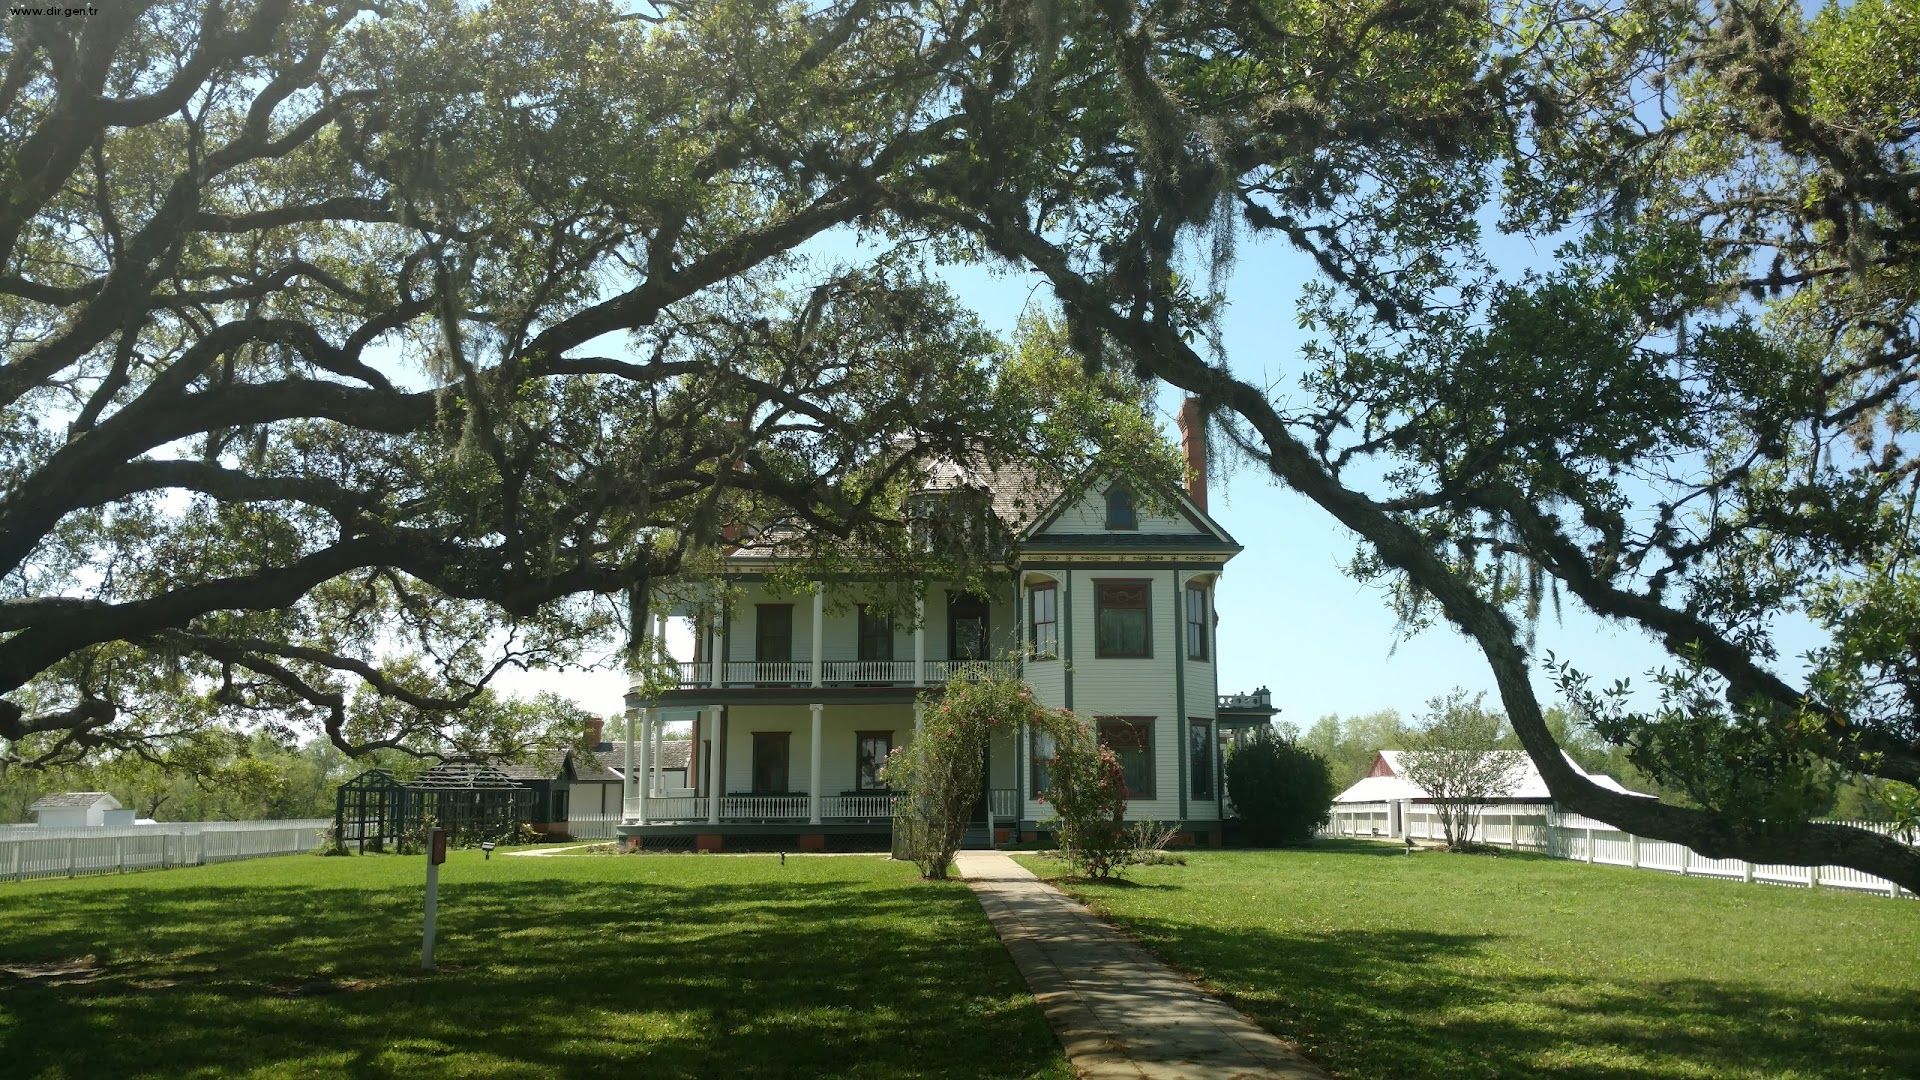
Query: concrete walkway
point(1118, 1011)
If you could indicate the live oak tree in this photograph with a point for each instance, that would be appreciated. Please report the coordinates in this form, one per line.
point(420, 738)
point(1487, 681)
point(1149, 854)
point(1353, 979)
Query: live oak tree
point(1694, 419)
point(354, 352)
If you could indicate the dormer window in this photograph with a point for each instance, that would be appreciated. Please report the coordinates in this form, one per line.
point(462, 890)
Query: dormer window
point(952, 521)
point(1120, 511)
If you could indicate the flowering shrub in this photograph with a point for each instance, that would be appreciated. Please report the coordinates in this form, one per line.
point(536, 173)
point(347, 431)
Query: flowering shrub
point(938, 773)
point(1088, 792)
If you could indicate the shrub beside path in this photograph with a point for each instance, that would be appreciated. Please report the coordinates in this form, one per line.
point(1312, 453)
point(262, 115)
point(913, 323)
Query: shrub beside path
point(1117, 1010)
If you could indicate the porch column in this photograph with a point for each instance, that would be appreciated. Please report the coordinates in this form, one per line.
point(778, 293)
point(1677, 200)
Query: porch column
point(657, 780)
point(646, 737)
point(627, 777)
point(813, 786)
point(919, 718)
point(720, 649)
point(819, 629)
point(713, 771)
point(919, 649)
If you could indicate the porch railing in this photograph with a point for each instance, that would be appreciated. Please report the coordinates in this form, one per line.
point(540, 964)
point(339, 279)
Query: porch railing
point(872, 807)
point(676, 808)
point(939, 671)
point(880, 672)
point(763, 807)
point(1004, 802)
point(835, 672)
point(770, 673)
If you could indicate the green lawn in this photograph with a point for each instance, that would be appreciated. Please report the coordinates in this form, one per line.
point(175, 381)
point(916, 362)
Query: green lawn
point(1439, 965)
point(654, 966)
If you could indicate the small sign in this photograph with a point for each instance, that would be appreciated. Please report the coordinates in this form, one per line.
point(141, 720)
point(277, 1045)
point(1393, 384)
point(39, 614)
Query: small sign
point(487, 846)
point(437, 847)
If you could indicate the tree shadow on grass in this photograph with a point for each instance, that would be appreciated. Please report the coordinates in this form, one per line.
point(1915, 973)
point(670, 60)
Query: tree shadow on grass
point(557, 976)
point(1403, 1004)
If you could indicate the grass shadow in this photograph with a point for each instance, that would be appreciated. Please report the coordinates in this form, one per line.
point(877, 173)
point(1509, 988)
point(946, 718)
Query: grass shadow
point(567, 974)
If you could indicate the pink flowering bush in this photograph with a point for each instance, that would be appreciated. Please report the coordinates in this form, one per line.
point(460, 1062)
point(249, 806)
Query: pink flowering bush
point(1088, 792)
point(938, 773)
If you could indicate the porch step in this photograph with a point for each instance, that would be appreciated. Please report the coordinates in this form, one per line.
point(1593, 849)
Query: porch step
point(976, 838)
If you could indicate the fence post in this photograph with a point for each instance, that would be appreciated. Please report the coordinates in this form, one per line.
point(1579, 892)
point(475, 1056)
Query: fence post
point(1513, 832)
point(1633, 851)
point(120, 853)
point(1813, 877)
point(1589, 844)
point(1686, 860)
point(69, 856)
point(1746, 872)
point(17, 873)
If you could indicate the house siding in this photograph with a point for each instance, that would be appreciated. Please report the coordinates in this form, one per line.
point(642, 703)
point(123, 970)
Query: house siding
point(1121, 687)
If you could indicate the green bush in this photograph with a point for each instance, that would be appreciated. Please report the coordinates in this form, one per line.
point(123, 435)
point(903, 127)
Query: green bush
point(1282, 791)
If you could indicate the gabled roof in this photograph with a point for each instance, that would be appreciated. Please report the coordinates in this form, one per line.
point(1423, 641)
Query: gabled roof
point(1016, 493)
point(674, 754)
point(1392, 786)
point(67, 800)
point(464, 773)
point(1091, 478)
point(1026, 498)
point(552, 763)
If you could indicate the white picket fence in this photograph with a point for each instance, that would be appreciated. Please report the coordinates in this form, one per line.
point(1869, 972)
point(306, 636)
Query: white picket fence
point(593, 826)
point(30, 851)
point(1584, 839)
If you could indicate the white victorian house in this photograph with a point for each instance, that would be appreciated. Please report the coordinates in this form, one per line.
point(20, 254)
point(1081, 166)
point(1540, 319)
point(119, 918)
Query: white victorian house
point(1101, 604)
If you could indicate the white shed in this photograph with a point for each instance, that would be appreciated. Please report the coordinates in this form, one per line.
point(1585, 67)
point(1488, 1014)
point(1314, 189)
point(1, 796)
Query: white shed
point(74, 809)
point(1387, 789)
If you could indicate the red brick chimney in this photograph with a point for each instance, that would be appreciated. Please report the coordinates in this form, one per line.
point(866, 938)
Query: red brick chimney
point(595, 726)
point(1193, 445)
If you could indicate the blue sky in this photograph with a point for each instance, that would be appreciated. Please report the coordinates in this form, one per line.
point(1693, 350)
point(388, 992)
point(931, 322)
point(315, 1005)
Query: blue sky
point(1291, 620)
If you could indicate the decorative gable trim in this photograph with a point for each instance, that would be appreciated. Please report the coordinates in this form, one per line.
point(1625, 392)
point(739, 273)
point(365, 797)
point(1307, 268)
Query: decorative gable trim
point(1090, 479)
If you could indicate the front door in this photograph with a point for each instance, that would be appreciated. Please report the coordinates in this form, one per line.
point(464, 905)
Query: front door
point(770, 762)
point(966, 628)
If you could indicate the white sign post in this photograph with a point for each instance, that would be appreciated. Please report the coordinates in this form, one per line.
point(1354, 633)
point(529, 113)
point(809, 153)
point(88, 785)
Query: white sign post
point(436, 854)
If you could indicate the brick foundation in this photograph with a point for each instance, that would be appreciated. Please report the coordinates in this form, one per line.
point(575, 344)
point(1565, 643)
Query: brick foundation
point(707, 842)
point(813, 842)
point(1004, 836)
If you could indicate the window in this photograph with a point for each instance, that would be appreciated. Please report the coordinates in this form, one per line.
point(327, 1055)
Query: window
point(1039, 752)
point(876, 634)
point(1043, 616)
point(870, 753)
point(1196, 622)
point(773, 633)
point(1121, 616)
point(1131, 740)
point(1120, 511)
point(1200, 757)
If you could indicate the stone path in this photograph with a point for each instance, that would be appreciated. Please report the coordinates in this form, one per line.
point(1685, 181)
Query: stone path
point(1118, 1011)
